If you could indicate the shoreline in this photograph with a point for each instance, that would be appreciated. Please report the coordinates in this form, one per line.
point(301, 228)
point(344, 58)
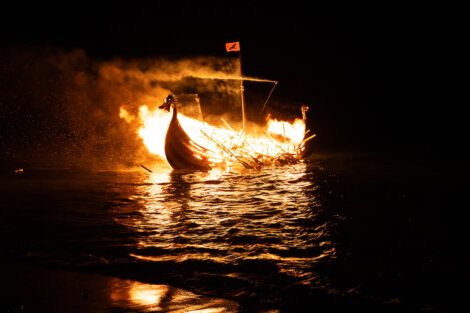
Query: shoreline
point(32, 288)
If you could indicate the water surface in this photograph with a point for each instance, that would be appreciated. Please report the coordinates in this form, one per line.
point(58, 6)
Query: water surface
point(318, 234)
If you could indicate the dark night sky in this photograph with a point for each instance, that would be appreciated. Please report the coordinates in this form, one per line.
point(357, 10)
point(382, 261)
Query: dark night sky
point(369, 73)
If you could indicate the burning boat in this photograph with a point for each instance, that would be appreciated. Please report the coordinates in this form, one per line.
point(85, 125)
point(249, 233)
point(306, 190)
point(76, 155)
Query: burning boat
point(188, 143)
point(182, 152)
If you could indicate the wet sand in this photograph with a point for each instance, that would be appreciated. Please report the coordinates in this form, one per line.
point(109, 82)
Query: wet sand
point(27, 288)
point(33, 288)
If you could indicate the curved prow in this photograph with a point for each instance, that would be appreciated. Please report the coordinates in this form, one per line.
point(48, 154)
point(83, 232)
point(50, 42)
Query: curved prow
point(181, 152)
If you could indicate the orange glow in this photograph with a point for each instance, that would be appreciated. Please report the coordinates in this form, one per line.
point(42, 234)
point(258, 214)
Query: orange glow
point(153, 129)
point(225, 147)
point(142, 294)
point(140, 297)
point(294, 132)
point(125, 115)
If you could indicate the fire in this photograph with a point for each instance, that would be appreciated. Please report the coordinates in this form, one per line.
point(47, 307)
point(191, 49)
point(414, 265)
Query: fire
point(153, 129)
point(225, 146)
point(293, 131)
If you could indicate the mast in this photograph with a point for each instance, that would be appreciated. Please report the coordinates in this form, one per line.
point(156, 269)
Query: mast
point(235, 47)
point(242, 88)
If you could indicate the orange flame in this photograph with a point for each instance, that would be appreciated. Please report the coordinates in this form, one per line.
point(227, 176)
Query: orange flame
point(224, 145)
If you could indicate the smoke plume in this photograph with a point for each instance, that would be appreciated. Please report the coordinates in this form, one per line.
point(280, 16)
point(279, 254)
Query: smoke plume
point(62, 108)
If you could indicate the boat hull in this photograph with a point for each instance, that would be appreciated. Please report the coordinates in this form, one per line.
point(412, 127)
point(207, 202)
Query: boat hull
point(180, 151)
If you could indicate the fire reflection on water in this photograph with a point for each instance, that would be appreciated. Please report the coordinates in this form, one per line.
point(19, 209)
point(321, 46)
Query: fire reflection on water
point(152, 298)
point(272, 215)
point(141, 294)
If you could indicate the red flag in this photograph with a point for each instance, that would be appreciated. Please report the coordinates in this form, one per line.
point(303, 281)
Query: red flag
point(232, 46)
